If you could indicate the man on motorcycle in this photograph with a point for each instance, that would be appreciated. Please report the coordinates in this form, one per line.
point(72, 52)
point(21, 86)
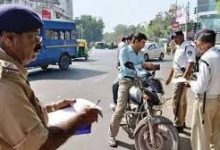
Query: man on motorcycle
point(131, 53)
point(115, 84)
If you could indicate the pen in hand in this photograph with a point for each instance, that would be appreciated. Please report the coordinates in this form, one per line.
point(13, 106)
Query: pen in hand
point(96, 104)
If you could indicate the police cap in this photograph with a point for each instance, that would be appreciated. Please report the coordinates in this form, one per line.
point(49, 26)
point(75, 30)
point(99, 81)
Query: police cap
point(176, 33)
point(206, 35)
point(18, 19)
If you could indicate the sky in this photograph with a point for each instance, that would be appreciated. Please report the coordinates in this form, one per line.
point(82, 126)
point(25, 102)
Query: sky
point(127, 12)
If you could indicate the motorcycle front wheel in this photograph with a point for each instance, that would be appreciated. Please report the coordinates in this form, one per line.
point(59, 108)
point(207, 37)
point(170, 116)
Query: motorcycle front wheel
point(166, 138)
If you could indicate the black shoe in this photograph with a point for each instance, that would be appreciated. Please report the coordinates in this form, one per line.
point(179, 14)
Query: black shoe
point(184, 125)
point(179, 129)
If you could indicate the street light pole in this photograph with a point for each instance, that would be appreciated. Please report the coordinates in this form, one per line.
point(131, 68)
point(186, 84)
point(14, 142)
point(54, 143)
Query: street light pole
point(187, 18)
point(176, 10)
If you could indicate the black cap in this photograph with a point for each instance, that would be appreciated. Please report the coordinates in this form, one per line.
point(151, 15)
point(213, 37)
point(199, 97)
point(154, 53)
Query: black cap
point(176, 33)
point(19, 19)
point(124, 39)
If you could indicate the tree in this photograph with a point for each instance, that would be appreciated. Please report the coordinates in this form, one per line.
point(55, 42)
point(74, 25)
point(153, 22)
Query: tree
point(159, 27)
point(218, 6)
point(119, 32)
point(90, 28)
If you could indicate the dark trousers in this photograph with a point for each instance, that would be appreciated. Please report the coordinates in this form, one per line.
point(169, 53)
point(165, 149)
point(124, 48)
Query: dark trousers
point(115, 86)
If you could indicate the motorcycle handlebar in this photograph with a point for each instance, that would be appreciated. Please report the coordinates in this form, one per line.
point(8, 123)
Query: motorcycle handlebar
point(157, 67)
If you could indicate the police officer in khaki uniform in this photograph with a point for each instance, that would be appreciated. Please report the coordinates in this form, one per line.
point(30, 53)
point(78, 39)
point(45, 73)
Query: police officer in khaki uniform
point(206, 114)
point(23, 121)
point(183, 62)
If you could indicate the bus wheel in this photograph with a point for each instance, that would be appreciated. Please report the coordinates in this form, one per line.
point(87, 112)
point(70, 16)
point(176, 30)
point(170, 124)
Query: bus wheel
point(44, 68)
point(64, 62)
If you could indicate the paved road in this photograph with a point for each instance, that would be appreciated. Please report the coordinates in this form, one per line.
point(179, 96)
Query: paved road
point(92, 80)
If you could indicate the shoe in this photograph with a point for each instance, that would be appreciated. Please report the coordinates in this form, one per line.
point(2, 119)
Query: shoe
point(112, 106)
point(179, 129)
point(184, 125)
point(112, 142)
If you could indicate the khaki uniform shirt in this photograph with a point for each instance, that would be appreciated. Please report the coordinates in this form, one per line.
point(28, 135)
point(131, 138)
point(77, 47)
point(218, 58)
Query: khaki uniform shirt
point(23, 122)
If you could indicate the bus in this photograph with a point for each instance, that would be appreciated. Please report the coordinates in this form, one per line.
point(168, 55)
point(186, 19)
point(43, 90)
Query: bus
point(100, 45)
point(59, 45)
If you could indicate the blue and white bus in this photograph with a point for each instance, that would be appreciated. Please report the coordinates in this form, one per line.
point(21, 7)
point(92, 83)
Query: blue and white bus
point(59, 45)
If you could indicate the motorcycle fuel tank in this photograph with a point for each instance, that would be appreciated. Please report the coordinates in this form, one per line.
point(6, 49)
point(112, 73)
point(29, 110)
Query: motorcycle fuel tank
point(156, 85)
point(135, 95)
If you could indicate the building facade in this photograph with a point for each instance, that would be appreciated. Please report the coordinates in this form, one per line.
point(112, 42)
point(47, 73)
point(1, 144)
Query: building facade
point(208, 14)
point(56, 9)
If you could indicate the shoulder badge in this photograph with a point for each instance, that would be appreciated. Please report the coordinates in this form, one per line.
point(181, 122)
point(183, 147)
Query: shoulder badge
point(8, 69)
point(8, 65)
point(189, 53)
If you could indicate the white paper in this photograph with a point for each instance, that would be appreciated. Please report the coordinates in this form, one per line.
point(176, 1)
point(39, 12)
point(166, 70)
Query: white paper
point(61, 115)
point(67, 113)
point(82, 103)
point(179, 80)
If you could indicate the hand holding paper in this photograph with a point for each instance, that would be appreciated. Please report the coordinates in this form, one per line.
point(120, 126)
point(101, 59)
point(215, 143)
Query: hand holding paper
point(83, 110)
point(82, 103)
point(181, 80)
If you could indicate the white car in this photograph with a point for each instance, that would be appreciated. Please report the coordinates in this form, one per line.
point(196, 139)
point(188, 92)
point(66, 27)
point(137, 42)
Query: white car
point(153, 50)
point(217, 41)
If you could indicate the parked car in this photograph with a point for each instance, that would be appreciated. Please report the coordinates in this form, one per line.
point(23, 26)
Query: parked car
point(217, 42)
point(153, 50)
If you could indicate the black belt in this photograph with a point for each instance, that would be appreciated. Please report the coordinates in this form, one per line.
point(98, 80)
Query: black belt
point(128, 77)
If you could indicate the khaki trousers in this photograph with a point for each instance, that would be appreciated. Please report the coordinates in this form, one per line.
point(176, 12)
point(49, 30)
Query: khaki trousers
point(179, 94)
point(208, 133)
point(124, 86)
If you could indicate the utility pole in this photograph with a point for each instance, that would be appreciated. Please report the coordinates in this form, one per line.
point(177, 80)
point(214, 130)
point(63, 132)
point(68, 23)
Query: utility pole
point(176, 10)
point(187, 18)
point(196, 11)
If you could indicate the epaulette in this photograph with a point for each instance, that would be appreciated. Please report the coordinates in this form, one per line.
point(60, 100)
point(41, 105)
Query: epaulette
point(8, 69)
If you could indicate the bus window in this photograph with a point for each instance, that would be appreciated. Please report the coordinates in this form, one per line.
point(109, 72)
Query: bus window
point(61, 37)
point(55, 35)
point(67, 35)
point(73, 35)
point(49, 34)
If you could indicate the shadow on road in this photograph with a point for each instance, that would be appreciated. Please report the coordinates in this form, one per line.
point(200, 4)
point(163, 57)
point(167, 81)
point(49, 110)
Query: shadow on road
point(126, 145)
point(185, 143)
point(83, 60)
point(56, 74)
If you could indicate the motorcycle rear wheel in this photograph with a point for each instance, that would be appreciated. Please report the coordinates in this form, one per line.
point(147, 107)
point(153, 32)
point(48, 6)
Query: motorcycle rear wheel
point(166, 138)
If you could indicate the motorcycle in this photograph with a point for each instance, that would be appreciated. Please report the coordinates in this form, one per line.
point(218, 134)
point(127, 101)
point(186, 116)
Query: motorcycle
point(144, 120)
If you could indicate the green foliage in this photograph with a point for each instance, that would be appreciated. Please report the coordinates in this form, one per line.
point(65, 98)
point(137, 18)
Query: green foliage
point(159, 27)
point(123, 30)
point(218, 6)
point(90, 28)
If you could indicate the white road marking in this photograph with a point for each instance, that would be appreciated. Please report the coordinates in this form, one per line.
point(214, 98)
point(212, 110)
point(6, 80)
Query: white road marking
point(101, 78)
